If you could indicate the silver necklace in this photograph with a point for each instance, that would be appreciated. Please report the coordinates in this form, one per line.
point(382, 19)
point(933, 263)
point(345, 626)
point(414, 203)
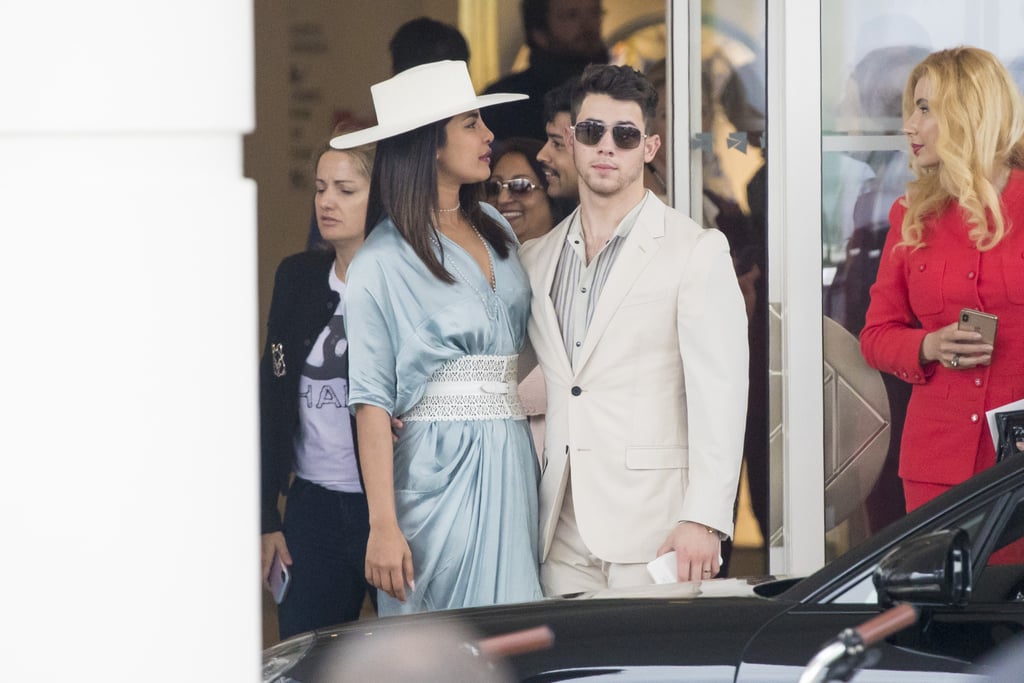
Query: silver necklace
point(457, 206)
point(490, 303)
point(490, 259)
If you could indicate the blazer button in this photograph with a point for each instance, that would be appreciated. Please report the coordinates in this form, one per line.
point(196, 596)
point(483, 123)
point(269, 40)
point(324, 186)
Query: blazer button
point(576, 391)
point(975, 417)
point(977, 381)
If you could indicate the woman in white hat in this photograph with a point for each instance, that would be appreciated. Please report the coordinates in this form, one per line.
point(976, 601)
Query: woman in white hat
point(438, 305)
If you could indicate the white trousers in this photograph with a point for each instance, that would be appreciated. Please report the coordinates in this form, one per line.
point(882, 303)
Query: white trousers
point(570, 567)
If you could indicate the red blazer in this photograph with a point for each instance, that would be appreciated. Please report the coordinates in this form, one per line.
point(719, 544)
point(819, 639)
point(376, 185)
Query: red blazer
point(946, 437)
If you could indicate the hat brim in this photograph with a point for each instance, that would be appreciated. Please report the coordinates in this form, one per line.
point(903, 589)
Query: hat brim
point(379, 132)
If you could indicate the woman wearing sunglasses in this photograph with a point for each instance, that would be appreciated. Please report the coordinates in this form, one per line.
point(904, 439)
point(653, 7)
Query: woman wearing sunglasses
point(438, 305)
point(518, 188)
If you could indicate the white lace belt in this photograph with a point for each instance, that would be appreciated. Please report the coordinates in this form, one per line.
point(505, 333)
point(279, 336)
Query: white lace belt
point(471, 388)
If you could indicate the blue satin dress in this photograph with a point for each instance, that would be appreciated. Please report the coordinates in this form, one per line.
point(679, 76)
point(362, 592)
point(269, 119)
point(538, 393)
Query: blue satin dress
point(465, 491)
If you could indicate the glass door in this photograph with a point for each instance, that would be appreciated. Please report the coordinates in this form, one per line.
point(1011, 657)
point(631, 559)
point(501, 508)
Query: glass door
point(715, 138)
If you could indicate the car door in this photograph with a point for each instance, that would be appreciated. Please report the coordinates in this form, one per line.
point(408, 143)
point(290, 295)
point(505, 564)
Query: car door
point(947, 641)
point(995, 610)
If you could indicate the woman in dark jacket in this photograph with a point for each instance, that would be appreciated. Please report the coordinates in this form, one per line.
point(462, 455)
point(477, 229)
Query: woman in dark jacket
point(305, 424)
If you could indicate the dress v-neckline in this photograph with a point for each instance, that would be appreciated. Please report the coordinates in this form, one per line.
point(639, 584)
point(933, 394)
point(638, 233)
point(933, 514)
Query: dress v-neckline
point(492, 282)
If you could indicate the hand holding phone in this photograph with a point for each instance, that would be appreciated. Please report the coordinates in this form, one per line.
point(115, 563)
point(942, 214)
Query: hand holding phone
point(279, 579)
point(976, 321)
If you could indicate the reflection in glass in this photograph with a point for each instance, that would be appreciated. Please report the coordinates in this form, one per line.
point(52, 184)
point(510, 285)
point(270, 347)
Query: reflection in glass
point(732, 192)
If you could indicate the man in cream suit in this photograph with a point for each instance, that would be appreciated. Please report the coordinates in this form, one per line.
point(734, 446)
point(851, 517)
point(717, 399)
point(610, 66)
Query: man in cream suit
point(639, 327)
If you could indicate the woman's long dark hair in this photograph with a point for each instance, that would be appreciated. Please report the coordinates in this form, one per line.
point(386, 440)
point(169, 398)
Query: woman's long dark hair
point(404, 189)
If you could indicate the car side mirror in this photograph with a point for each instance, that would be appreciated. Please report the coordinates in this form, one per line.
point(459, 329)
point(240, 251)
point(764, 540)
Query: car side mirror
point(934, 569)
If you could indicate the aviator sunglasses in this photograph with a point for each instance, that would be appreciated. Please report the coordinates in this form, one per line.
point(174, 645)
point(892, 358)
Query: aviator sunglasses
point(516, 187)
point(591, 132)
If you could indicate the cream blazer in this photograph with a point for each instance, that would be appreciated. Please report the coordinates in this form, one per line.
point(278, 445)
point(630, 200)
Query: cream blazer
point(650, 421)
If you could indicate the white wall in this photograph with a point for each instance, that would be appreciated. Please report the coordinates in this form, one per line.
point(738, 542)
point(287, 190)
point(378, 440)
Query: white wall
point(128, 435)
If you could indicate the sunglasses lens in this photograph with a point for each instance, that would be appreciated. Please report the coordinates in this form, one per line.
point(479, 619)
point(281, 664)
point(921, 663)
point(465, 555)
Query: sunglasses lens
point(520, 186)
point(517, 186)
point(589, 132)
point(626, 137)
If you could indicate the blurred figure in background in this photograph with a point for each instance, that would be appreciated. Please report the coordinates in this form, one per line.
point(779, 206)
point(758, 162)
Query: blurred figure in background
point(874, 103)
point(564, 36)
point(875, 95)
point(727, 112)
point(429, 651)
point(424, 40)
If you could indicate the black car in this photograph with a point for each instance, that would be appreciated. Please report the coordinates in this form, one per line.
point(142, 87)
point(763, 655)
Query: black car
point(959, 557)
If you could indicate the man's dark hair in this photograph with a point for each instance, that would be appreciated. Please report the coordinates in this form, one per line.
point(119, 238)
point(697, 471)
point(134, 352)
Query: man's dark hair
point(559, 99)
point(424, 40)
point(535, 17)
point(622, 83)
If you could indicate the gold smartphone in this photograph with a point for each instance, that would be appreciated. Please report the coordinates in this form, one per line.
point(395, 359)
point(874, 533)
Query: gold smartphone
point(976, 321)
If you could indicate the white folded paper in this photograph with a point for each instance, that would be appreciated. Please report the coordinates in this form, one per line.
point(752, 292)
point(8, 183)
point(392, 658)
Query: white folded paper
point(663, 569)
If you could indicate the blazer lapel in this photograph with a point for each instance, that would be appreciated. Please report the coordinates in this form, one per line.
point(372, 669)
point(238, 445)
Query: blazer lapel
point(640, 247)
point(548, 331)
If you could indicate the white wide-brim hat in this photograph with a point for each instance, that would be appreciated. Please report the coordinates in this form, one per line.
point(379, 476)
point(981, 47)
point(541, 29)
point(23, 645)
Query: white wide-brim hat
point(418, 96)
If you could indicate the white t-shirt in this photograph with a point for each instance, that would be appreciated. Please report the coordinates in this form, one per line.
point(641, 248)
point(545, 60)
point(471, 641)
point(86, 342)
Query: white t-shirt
point(324, 451)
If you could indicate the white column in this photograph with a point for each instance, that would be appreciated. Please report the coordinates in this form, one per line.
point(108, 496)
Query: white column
point(794, 286)
point(128, 436)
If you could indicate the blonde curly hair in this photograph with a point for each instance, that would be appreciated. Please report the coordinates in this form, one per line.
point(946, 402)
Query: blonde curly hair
point(980, 116)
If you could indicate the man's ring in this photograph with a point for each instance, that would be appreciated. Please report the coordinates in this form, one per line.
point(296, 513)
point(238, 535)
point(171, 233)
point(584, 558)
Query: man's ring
point(956, 360)
point(707, 571)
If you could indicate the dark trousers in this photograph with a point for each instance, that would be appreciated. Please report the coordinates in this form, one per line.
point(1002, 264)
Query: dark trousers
point(326, 534)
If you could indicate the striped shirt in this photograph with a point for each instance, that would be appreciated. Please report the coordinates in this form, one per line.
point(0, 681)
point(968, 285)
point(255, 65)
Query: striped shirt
point(577, 284)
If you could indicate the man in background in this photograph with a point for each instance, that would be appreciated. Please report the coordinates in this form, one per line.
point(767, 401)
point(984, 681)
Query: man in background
point(424, 40)
point(555, 156)
point(564, 36)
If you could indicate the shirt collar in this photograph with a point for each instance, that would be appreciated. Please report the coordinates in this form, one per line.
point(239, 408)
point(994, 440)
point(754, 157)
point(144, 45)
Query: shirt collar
point(622, 230)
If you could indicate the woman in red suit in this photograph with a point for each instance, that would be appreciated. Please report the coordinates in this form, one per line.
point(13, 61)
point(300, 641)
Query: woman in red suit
point(956, 241)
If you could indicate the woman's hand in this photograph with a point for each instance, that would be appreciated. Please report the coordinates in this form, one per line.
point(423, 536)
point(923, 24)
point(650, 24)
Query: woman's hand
point(389, 561)
point(955, 349)
point(271, 544)
point(388, 558)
